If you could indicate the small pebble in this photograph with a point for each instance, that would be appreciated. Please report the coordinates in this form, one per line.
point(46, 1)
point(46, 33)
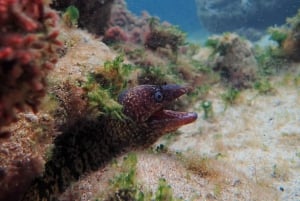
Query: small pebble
point(236, 182)
point(31, 117)
point(277, 103)
point(210, 196)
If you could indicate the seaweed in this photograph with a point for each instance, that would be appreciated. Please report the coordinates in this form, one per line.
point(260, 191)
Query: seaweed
point(230, 96)
point(164, 36)
point(71, 16)
point(125, 186)
point(207, 108)
point(263, 86)
point(104, 86)
point(278, 34)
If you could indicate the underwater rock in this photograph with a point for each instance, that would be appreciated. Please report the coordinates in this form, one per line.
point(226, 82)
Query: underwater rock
point(291, 45)
point(28, 46)
point(17, 176)
point(234, 58)
point(221, 15)
point(27, 143)
point(108, 18)
point(134, 27)
point(287, 38)
point(93, 15)
point(20, 157)
point(236, 61)
point(124, 26)
point(164, 38)
point(114, 34)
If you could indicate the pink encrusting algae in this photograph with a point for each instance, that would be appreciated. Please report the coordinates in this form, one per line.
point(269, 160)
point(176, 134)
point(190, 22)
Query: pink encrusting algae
point(27, 52)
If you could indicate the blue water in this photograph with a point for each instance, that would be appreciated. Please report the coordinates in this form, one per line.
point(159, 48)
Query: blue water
point(178, 12)
point(184, 14)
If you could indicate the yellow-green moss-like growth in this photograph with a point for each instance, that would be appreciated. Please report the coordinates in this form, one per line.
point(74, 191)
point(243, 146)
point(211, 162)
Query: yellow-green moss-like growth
point(207, 108)
point(101, 99)
point(164, 191)
point(287, 37)
point(263, 86)
point(126, 179)
point(230, 96)
point(278, 34)
point(71, 16)
point(104, 86)
point(294, 21)
point(116, 72)
point(126, 187)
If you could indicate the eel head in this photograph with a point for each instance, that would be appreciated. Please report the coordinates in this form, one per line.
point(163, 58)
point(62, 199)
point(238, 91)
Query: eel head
point(146, 104)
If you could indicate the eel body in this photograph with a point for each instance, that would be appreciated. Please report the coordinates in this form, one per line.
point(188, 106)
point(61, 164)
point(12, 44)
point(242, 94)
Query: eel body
point(90, 144)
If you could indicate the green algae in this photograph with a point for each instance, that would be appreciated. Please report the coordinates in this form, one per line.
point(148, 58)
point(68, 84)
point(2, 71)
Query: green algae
point(71, 16)
point(125, 184)
point(104, 87)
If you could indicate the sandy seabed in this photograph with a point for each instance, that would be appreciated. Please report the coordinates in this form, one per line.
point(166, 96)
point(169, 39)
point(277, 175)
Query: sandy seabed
point(251, 147)
point(250, 150)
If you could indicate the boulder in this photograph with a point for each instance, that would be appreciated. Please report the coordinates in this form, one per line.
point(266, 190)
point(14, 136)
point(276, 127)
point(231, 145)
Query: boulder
point(219, 16)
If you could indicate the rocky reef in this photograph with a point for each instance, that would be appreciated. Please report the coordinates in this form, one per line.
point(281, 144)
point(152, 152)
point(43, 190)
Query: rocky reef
point(291, 44)
point(244, 16)
point(231, 56)
point(90, 12)
point(247, 95)
point(132, 28)
point(27, 53)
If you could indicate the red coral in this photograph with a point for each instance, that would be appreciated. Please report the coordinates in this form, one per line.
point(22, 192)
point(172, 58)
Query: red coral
point(115, 34)
point(136, 35)
point(27, 53)
point(125, 22)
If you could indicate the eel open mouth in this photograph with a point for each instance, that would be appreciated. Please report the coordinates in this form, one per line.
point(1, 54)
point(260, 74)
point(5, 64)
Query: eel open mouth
point(171, 119)
point(170, 115)
point(147, 103)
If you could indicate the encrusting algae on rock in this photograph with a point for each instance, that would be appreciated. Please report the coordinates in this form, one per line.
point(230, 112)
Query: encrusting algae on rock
point(28, 46)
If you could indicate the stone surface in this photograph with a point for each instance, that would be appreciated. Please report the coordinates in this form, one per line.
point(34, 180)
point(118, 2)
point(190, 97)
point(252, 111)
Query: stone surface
point(233, 57)
point(93, 15)
point(223, 15)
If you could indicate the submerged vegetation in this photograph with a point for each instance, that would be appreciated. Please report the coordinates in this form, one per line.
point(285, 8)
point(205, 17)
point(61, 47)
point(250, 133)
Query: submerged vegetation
point(101, 99)
point(162, 36)
point(155, 53)
point(125, 185)
point(277, 34)
point(230, 96)
point(104, 86)
point(263, 86)
point(287, 37)
point(270, 61)
point(71, 16)
point(207, 108)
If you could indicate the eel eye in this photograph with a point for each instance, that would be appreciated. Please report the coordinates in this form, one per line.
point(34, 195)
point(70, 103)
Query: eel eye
point(158, 96)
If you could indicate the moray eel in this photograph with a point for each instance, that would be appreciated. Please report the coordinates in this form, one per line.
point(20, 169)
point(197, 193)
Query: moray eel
point(90, 144)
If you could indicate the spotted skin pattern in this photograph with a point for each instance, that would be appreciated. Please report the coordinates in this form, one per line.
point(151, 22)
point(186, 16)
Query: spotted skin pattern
point(91, 143)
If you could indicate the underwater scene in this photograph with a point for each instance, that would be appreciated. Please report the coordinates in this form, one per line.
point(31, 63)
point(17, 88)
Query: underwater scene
point(148, 100)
